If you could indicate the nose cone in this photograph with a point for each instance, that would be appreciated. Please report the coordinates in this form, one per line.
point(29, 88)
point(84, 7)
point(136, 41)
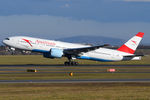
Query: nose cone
point(6, 41)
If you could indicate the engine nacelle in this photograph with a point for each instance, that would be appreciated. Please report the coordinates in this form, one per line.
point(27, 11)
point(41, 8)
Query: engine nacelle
point(54, 53)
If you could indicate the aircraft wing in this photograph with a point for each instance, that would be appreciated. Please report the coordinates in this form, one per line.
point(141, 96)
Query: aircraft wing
point(76, 51)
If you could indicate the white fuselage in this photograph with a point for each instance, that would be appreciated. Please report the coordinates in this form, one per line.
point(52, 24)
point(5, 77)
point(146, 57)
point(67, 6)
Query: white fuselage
point(43, 45)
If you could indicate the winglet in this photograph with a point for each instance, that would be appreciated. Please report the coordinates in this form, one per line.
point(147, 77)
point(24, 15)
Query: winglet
point(131, 45)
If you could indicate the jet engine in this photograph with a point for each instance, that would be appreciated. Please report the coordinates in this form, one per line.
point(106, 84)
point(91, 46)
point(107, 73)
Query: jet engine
point(54, 53)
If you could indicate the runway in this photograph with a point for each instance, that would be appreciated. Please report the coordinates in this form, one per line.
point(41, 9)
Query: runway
point(7, 69)
point(76, 81)
point(20, 70)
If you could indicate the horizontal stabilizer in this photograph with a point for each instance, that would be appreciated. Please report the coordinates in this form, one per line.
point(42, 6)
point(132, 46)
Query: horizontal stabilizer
point(138, 55)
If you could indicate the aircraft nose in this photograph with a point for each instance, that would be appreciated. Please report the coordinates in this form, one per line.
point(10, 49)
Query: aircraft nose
point(4, 41)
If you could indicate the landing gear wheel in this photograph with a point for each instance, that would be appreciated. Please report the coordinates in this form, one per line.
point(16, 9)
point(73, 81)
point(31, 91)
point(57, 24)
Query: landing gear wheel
point(72, 63)
point(76, 63)
point(66, 63)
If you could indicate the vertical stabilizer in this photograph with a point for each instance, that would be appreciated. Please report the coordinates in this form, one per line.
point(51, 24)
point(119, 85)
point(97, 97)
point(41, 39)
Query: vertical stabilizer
point(131, 45)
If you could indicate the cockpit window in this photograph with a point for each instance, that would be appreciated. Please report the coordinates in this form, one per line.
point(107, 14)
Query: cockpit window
point(7, 39)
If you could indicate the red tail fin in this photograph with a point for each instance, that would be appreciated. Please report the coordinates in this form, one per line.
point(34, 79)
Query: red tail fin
point(131, 45)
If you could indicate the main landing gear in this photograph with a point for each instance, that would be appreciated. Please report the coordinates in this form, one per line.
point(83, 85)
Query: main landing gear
point(70, 62)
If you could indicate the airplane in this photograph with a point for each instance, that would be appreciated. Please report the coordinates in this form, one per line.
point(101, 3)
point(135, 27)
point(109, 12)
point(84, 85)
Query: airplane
point(57, 49)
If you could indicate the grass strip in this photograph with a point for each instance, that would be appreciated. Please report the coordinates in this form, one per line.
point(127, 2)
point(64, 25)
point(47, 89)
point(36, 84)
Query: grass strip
point(75, 91)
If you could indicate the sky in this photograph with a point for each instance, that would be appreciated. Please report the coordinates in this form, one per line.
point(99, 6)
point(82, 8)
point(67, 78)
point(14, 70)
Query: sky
point(53, 19)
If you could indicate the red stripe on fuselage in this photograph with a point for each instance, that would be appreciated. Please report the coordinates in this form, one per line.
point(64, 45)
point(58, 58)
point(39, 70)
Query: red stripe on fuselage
point(140, 34)
point(28, 41)
point(126, 49)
